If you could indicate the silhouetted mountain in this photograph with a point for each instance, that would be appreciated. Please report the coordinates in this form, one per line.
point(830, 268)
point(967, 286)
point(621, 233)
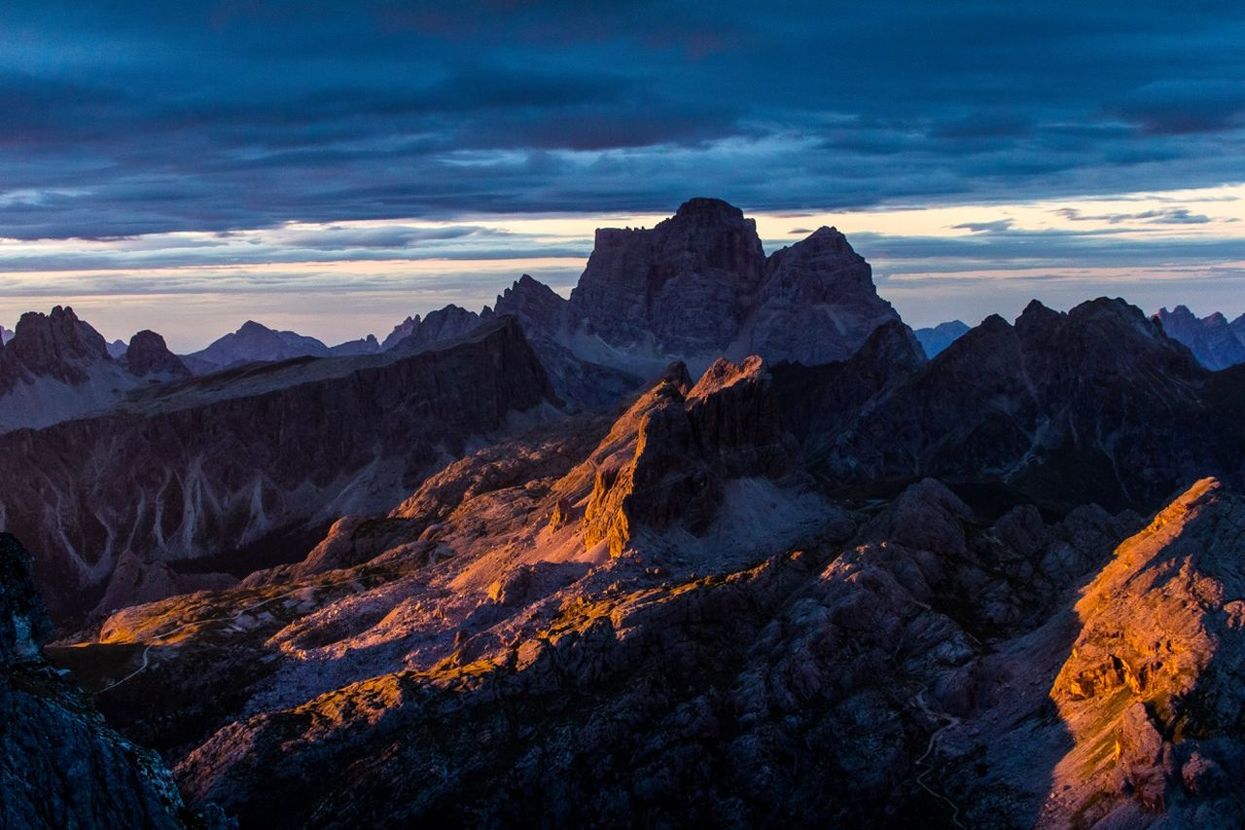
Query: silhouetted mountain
point(57, 368)
point(1216, 343)
point(354, 348)
point(935, 340)
point(254, 343)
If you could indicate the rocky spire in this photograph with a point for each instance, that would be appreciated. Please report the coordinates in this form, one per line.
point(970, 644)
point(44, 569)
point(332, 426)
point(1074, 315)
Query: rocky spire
point(149, 355)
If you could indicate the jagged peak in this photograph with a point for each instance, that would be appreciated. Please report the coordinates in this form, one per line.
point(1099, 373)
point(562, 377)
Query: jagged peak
point(723, 374)
point(996, 322)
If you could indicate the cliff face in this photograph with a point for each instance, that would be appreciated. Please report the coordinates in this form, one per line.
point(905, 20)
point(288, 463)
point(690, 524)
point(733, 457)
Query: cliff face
point(1157, 672)
point(685, 283)
point(60, 765)
point(226, 466)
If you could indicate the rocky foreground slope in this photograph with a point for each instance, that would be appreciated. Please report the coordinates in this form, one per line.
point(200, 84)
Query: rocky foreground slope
point(60, 765)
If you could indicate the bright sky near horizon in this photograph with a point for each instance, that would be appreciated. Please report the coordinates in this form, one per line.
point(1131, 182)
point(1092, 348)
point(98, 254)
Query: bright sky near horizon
point(332, 167)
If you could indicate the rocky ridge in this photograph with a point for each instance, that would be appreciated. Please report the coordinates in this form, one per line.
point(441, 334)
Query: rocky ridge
point(196, 473)
point(1216, 343)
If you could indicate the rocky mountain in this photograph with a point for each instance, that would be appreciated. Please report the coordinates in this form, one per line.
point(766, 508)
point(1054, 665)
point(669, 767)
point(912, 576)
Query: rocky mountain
point(699, 285)
point(148, 355)
point(60, 764)
point(228, 472)
point(57, 368)
point(254, 343)
point(116, 349)
point(646, 616)
point(5, 336)
point(1216, 343)
point(521, 567)
point(353, 348)
point(936, 339)
point(1092, 405)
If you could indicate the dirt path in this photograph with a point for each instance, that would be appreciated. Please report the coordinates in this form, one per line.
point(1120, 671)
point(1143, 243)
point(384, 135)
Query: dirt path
point(949, 721)
point(156, 638)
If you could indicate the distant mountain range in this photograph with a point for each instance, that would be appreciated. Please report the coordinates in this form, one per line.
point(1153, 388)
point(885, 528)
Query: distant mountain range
point(1216, 343)
point(936, 339)
point(718, 540)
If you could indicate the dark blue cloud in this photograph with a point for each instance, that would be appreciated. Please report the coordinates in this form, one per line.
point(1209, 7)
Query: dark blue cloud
point(124, 118)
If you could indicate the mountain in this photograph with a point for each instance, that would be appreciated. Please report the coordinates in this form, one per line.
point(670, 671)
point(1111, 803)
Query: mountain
point(353, 348)
point(936, 339)
point(698, 285)
point(232, 471)
point(1216, 343)
point(5, 336)
point(633, 616)
point(117, 349)
point(1092, 405)
point(147, 355)
point(57, 368)
point(254, 343)
point(60, 765)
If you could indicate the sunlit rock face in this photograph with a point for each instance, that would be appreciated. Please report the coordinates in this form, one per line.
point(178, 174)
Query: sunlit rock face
point(1152, 691)
point(60, 765)
point(1216, 343)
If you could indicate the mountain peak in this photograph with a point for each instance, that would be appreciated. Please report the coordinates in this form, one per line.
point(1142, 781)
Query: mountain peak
point(708, 209)
point(148, 354)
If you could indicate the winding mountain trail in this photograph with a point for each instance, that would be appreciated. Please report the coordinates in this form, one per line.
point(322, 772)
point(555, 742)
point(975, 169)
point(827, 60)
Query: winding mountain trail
point(156, 638)
point(950, 721)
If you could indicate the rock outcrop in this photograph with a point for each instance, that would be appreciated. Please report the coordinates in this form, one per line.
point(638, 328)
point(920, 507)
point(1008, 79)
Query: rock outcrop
point(148, 356)
point(60, 765)
point(682, 286)
point(1157, 672)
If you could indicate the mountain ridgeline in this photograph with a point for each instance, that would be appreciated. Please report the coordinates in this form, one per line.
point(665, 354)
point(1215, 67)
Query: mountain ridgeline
point(715, 540)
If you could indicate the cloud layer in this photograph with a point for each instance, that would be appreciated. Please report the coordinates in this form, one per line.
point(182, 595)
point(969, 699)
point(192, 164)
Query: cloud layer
point(159, 136)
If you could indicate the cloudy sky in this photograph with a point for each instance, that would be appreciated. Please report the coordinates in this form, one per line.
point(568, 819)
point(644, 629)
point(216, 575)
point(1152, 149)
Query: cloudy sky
point(333, 166)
